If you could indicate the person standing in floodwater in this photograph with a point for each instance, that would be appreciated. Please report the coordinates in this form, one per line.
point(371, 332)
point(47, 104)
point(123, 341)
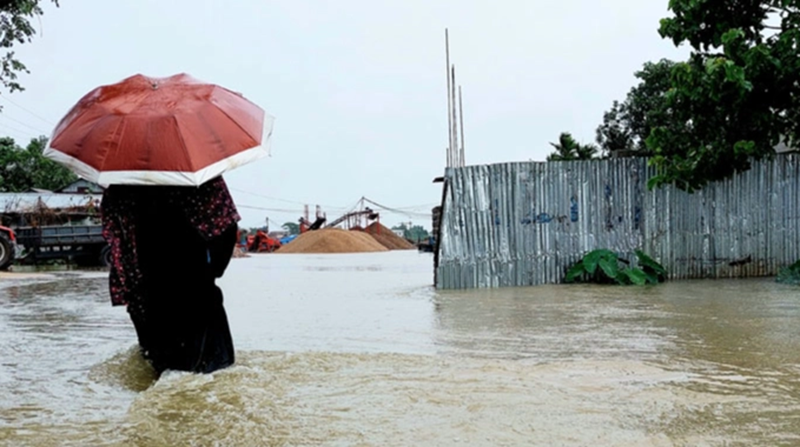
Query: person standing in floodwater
point(169, 244)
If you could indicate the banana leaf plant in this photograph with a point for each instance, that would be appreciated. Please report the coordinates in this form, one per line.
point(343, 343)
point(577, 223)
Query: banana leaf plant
point(603, 266)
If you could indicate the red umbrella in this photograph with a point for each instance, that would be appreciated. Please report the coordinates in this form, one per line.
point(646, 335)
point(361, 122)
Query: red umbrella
point(160, 131)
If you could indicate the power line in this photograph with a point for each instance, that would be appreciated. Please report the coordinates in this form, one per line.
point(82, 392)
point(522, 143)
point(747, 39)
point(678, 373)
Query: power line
point(417, 207)
point(295, 212)
point(18, 132)
point(45, 120)
point(12, 128)
point(268, 197)
point(396, 210)
point(41, 132)
point(404, 211)
point(261, 208)
point(353, 208)
point(408, 214)
point(409, 209)
point(295, 202)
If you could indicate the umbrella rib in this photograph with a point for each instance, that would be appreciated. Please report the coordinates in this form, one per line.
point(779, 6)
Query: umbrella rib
point(119, 130)
point(237, 123)
point(183, 141)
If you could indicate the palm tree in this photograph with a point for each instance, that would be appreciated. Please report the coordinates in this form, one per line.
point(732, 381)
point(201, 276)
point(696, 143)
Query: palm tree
point(569, 149)
point(586, 151)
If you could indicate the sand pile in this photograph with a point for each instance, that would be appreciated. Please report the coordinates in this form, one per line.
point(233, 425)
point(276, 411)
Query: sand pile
point(332, 240)
point(387, 238)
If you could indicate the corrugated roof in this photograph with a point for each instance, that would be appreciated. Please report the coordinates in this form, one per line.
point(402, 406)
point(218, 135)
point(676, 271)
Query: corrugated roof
point(24, 202)
point(782, 148)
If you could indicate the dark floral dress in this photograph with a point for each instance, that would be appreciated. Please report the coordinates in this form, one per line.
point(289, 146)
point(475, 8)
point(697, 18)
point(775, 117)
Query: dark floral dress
point(168, 246)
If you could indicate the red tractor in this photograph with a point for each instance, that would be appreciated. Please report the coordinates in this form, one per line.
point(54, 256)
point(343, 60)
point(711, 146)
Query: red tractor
point(8, 247)
point(263, 243)
point(259, 242)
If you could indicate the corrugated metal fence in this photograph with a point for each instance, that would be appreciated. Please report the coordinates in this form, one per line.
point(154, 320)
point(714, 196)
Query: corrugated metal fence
point(517, 224)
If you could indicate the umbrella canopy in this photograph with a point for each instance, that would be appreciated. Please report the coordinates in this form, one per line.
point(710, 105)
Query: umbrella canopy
point(160, 131)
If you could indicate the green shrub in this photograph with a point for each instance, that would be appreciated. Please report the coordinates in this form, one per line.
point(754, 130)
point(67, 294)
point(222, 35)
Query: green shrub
point(605, 267)
point(790, 275)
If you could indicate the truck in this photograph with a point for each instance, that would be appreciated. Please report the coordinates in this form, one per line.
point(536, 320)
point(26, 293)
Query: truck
point(8, 247)
point(82, 244)
point(427, 245)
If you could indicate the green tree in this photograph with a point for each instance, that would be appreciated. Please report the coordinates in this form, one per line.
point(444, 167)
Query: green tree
point(412, 232)
point(291, 227)
point(568, 149)
point(646, 103)
point(46, 173)
point(614, 134)
point(13, 175)
point(736, 97)
point(416, 233)
point(627, 125)
point(16, 28)
point(24, 168)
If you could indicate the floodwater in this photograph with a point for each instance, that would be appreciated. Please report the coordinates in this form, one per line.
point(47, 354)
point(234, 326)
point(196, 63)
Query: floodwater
point(359, 350)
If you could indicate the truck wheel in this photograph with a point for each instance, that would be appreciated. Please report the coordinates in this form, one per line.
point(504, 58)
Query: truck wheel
point(105, 256)
point(6, 252)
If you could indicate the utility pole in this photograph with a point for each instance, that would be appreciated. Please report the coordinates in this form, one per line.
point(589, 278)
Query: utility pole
point(449, 100)
point(455, 113)
point(461, 121)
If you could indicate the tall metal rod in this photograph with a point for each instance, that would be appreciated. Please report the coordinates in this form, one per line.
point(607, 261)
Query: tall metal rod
point(454, 130)
point(461, 160)
point(449, 100)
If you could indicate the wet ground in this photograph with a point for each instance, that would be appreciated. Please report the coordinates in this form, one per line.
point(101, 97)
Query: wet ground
point(360, 350)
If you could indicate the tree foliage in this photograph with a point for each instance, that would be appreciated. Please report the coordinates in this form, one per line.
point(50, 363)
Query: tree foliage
point(291, 227)
point(568, 149)
point(614, 135)
point(24, 168)
point(628, 124)
point(16, 29)
point(736, 97)
point(413, 232)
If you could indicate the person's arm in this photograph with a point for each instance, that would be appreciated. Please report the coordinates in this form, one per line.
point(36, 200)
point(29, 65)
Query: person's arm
point(220, 250)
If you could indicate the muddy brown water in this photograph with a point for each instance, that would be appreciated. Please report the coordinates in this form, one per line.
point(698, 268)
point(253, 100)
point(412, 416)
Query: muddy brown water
point(360, 350)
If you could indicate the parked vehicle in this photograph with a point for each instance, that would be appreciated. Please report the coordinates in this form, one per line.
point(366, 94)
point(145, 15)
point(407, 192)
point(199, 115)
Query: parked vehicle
point(427, 245)
point(286, 239)
point(83, 244)
point(8, 247)
point(260, 242)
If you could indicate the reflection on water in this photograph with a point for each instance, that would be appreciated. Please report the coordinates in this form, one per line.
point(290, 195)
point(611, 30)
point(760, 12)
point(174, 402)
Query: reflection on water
point(360, 350)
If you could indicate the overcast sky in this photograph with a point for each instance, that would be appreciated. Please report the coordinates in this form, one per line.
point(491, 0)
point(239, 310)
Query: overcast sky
point(357, 87)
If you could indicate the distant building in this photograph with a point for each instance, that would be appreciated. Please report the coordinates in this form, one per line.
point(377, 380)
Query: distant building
point(31, 209)
point(81, 186)
point(76, 203)
point(782, 148)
